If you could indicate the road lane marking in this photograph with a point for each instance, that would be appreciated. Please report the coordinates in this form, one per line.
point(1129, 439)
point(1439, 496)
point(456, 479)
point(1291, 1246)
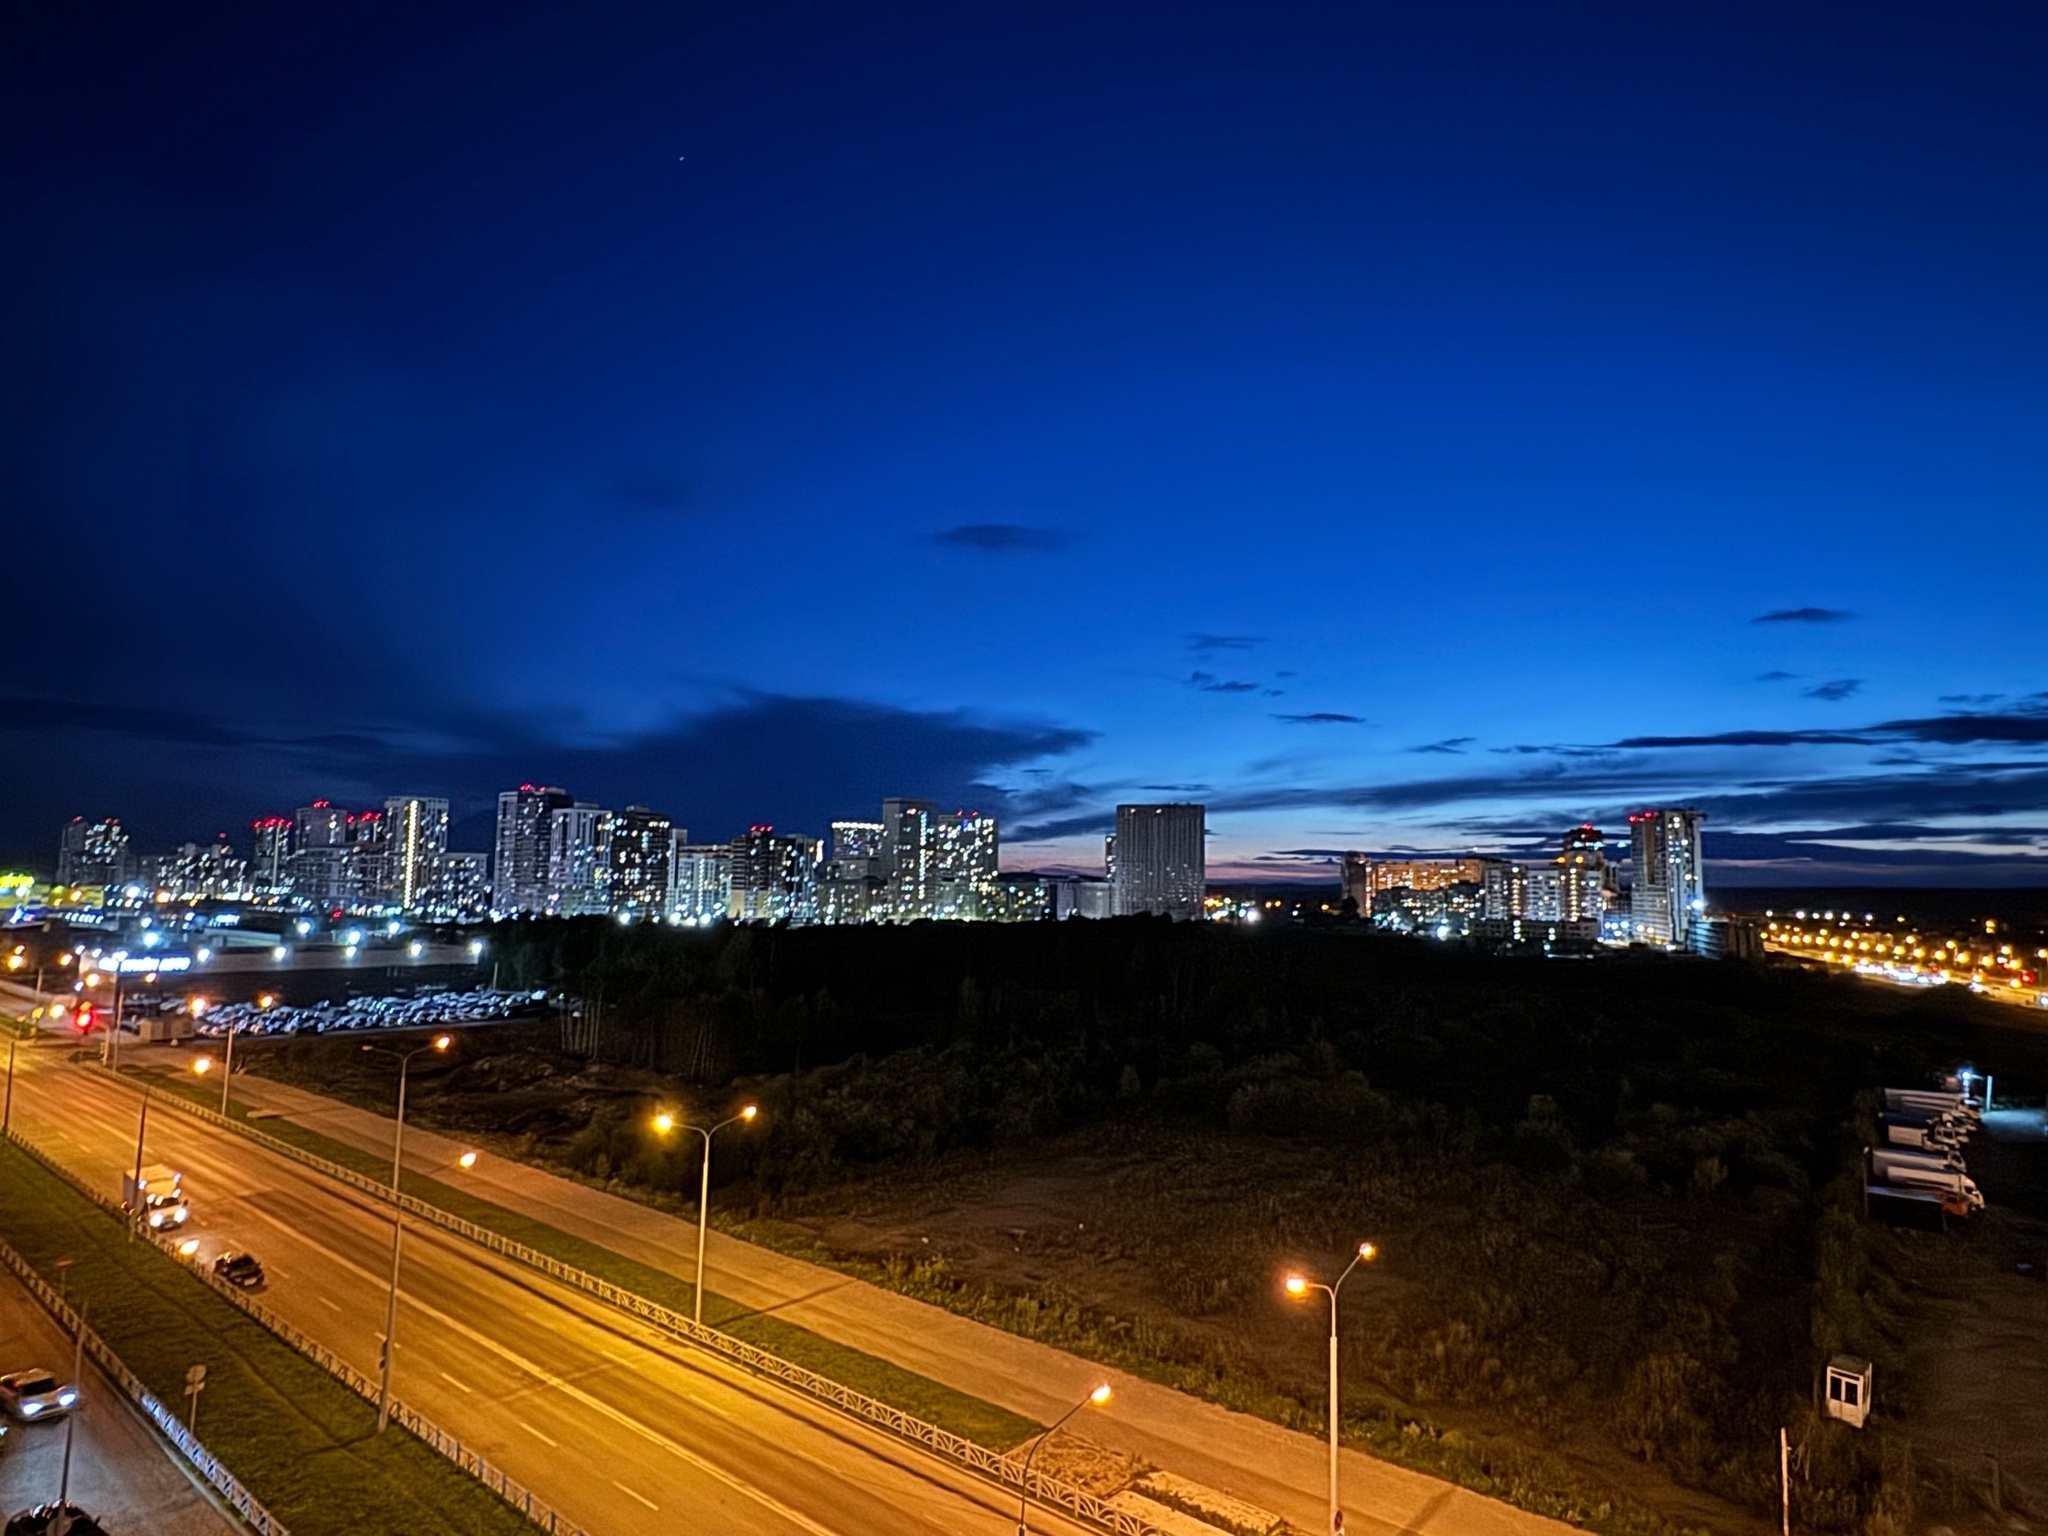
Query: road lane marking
point(625, 1421)
point(326, 1303)
point(550, 1439)
point(640, 1496)
point(454, 1383)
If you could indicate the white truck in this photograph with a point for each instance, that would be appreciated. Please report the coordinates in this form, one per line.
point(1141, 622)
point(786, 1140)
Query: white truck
point(1942, 1181)
point(159, 1195)
point(1933, 1127)
point(1917, 1157)
point(1930, 1101)
point(1916, 1137)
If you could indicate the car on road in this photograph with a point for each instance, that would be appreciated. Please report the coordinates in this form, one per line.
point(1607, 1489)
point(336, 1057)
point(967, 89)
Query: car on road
point(241, 1269)
point(42, 1521)
point(30, 1395)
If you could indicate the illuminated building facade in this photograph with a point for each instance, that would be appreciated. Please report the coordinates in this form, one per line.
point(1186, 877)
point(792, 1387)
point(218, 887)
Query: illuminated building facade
point(579, 870)
point(270, 871)
point(519, 863)
point(774, 877)
point(94, 853)
point(415, 834)
point(700, 888)
point(643, 861)
point(1669, 894)
point(1364, 877)
point(1161, 860)
point(461, 891)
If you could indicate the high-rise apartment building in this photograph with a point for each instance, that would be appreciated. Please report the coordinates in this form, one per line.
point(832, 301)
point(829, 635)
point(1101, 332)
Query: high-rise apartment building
point(1365, 877)
point(519, 865)
point(270, 871)
point(774, 876)
point(199, 872)
point(579, 869)
point(964, 863)
point(1161, 860)
point(368, 866)
point(415, 840)
point(1669, 894)
point(909, 851)
point(643, 846)
point(1582, 866)
point(700, 889)
point(94, 853)
point(462, 888)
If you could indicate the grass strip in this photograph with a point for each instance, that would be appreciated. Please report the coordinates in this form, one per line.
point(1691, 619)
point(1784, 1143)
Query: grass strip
point(302, 1442)
point(984, 1423)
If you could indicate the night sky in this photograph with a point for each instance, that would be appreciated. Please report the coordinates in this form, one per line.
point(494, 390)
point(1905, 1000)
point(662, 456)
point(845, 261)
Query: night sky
point(1415, 426)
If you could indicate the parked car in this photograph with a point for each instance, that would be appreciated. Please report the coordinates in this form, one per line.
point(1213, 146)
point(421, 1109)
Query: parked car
point(30, 1395)
point(42, 1521)
point(239, 1269)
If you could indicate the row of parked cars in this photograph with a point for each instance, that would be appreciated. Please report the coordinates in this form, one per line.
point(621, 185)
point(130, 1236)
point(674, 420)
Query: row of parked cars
point(427, 1012)
point(1918, 1157)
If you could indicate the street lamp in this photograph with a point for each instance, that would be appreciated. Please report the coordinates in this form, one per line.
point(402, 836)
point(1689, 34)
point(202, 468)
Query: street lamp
point(1299, 1286)
point(666, 1122)
point(1097, 1398)
point(438, 1043)
point(141, 1132)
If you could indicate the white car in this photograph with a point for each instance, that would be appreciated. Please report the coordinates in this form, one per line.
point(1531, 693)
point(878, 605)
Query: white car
point(30, 1395)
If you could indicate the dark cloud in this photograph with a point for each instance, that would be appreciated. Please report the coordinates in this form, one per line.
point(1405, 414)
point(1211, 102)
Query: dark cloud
point(1972, 700)
point(2024, 725)
point(1004, 539)
point(1803, 616)
point(796, 762)
point(1775, 677)
point(1322, 717)
point(1097, 822)
point(1209, 683)
point(1224, 642)
point(1453, 746)
point(1837, 690)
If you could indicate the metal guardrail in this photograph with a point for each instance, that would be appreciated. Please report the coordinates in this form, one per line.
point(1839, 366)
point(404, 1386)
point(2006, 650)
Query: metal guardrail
point(993, 1465)
point(536, 1510)
point(208, 1465)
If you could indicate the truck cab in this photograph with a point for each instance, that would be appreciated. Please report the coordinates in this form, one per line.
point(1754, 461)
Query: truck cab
point(158, 1197)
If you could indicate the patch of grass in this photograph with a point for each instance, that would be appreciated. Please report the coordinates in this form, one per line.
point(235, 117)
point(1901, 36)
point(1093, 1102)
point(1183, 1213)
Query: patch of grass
point(301, 1441)
point(982, 1422)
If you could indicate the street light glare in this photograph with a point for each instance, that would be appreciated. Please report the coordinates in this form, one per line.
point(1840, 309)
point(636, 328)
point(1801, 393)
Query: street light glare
point(1100, 1395)
point(188, 1247)
point(750, 1111)
point(442, 1042)
point(467, 1160)
point(203, 1065)
point(1367, 1251)
point(1296, 1286)
point(664, 1123)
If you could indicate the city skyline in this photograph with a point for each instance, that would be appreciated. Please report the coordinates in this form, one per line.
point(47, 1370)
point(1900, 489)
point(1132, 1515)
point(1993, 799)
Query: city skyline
point(1402, 431)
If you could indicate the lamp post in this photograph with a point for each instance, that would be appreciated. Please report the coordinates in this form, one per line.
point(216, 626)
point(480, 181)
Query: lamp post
point(7, 1110)
point(1098, 1397)
point(1298, 1286)
point(665, 1123)
point(438, 1043)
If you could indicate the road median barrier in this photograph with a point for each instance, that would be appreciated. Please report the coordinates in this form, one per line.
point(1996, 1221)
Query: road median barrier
point(166, 1423)
point(991, 1465)
point(521, 1499)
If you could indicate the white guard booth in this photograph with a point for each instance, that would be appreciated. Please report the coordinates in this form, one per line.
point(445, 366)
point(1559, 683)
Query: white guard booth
point(1848, 1390)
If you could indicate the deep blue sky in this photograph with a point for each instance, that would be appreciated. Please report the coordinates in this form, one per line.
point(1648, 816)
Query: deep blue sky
point(1398, 426)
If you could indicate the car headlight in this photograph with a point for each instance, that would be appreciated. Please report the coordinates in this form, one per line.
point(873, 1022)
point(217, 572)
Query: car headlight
point(66, 1399)
point(30, 1410)
point(156, 1218)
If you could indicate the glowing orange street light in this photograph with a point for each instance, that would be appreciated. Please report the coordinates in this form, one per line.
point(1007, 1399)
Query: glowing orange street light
point(466, 1161)
point(665, 1122)
point(1299, 1286)
point(1096, 1398)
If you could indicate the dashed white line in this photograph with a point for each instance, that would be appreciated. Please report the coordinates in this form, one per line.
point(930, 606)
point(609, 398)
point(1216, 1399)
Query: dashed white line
point(549, 1439)
point(331, 1306)
point(465, 1386)
point(629, 1493)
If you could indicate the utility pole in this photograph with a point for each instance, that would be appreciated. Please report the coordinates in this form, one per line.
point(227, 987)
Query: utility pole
point(70, 1426)
point(1784, 1484)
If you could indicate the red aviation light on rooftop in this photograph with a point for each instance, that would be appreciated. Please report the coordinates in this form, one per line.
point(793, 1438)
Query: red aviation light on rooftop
point(321, 805)
point(761, 829)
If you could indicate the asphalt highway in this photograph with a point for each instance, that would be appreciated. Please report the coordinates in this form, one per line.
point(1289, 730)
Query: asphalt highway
point(622, 1430)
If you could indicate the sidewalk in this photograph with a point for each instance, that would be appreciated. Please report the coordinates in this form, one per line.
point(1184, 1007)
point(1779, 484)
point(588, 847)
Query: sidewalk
point(1247, 1457)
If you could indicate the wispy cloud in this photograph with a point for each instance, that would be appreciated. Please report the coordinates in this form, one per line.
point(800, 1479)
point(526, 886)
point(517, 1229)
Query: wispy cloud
point(1972, 700)
point(1207, 682)
point(1322, 717)
point(1834, 692)
point(1803, 616)
point(1004, 539)
point(1775, 677)
point(1450, 746)
point(1206, 642)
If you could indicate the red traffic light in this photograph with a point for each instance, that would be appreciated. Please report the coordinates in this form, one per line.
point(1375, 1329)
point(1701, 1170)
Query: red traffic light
point(81, 1018)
